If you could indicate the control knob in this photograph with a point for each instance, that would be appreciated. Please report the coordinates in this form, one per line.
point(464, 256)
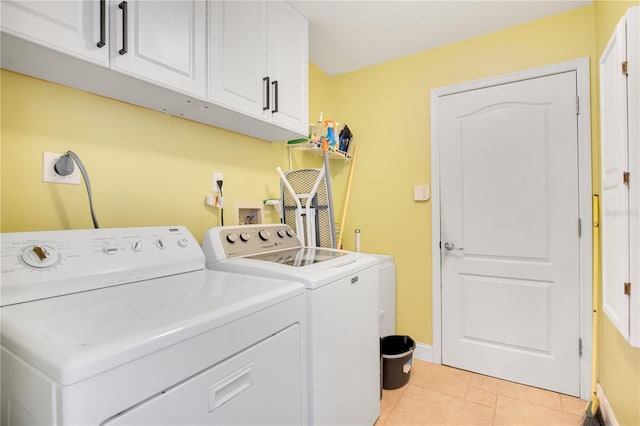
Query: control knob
point(40, 256)
point(264, 234)
point(232, 238)
point(110, 249)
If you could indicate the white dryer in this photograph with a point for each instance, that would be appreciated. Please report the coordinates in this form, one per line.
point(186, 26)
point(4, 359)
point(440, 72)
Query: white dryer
point(125, 326)
point(342, 313)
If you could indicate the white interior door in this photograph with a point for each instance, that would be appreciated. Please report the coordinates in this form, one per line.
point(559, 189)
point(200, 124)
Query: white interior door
point(510, 231)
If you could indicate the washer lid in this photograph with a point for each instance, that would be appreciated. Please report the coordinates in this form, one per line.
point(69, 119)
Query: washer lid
point(300, 256)
point(71, 338)
point(312, 274)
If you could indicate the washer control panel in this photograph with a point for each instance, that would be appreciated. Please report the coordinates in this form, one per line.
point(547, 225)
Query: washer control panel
point(36, 265)
point(223, 242)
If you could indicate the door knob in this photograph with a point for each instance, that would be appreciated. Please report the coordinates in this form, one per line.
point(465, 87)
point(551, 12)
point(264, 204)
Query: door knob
point(450, 246)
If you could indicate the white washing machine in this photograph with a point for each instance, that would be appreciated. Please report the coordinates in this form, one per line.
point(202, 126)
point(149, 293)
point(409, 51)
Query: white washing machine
point(126, 326)
point(342, 313)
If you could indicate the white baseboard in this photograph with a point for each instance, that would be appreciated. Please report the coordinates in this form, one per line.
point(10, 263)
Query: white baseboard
point(423, 352)
point(607, 412)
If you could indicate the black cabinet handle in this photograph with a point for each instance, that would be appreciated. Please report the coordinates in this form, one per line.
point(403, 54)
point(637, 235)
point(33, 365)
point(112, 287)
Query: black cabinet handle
point(123, 6)
point(103, 5)
point(265, 106)
point(275, 95)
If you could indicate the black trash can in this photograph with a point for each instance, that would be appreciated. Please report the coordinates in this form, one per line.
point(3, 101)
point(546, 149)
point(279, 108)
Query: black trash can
point(397, 354)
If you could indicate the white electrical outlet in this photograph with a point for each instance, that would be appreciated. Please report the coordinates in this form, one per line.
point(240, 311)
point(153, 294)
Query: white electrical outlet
point(49, 174)
point(216, 177)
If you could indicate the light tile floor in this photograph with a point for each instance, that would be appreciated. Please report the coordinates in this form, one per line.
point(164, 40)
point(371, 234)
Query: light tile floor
point(440, 395)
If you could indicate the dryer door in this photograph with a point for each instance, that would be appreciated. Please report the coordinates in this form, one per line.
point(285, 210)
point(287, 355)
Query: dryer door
point(260, 385)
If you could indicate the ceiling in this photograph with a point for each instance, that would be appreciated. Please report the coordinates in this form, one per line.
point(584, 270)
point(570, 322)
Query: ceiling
point(348, 35)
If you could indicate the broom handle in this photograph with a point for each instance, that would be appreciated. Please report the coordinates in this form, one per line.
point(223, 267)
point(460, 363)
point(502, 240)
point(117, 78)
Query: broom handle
point(346, 199)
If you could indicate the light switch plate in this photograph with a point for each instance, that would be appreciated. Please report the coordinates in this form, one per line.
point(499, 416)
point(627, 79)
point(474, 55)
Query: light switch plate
point(216, 177)
point(421, 193)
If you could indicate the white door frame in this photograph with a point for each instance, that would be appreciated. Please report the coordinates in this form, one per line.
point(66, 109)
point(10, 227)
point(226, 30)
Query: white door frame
point(581, 66)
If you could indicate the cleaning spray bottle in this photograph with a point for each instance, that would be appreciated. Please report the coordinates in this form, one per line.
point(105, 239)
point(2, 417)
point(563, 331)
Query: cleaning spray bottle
point(331, 134)
point(317, 132)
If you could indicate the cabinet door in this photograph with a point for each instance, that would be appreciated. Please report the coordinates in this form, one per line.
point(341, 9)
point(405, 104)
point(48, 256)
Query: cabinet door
point(238, 55)
point(288, 67)
point(620, 141)
point(633, 112)
point(161, 41)
point(71, 27)
point(615, 194)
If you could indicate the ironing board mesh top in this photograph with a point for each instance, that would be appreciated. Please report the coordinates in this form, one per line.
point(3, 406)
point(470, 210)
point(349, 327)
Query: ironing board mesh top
point(302, 182)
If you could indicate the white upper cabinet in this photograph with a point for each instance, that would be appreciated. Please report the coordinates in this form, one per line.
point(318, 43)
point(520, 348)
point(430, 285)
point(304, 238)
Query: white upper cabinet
point(238, 55)
point(258, 61)
point(620, 168)
point(76, 28)
point(288, 66)
point(238, 65)
point(161, 41)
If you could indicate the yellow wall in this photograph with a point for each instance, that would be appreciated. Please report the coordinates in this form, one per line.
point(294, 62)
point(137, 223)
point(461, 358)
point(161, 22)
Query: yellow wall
point(619, 367)
point(388, 109)
point(150, 169)
point(146, 168)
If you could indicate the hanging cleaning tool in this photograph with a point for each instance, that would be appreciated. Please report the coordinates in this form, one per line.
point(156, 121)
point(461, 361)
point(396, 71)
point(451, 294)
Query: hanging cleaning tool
point(346, 198)
point(593, 414)
point(345, 139)
point(332, 219)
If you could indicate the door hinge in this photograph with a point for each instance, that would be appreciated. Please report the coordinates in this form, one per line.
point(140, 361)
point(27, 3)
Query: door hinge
point(625, 70)
point(627, 289)
point(580, 346)
point(577, 105)
point(579, 228)
point(625, 178)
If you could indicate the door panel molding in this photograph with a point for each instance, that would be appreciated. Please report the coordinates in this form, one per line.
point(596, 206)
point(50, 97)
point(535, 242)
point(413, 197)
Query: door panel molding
point(581, 67)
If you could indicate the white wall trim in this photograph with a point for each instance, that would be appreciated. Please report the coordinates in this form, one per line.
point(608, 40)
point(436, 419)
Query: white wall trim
point(605, 407)
point(423, 352)
point(581, 67)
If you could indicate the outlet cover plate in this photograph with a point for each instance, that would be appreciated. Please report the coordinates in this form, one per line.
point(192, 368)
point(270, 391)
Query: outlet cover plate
point(49, 174)
point(216, 177)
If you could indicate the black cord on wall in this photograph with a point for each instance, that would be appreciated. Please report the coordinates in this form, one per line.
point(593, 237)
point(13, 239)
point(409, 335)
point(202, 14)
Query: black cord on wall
point(219, 182)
